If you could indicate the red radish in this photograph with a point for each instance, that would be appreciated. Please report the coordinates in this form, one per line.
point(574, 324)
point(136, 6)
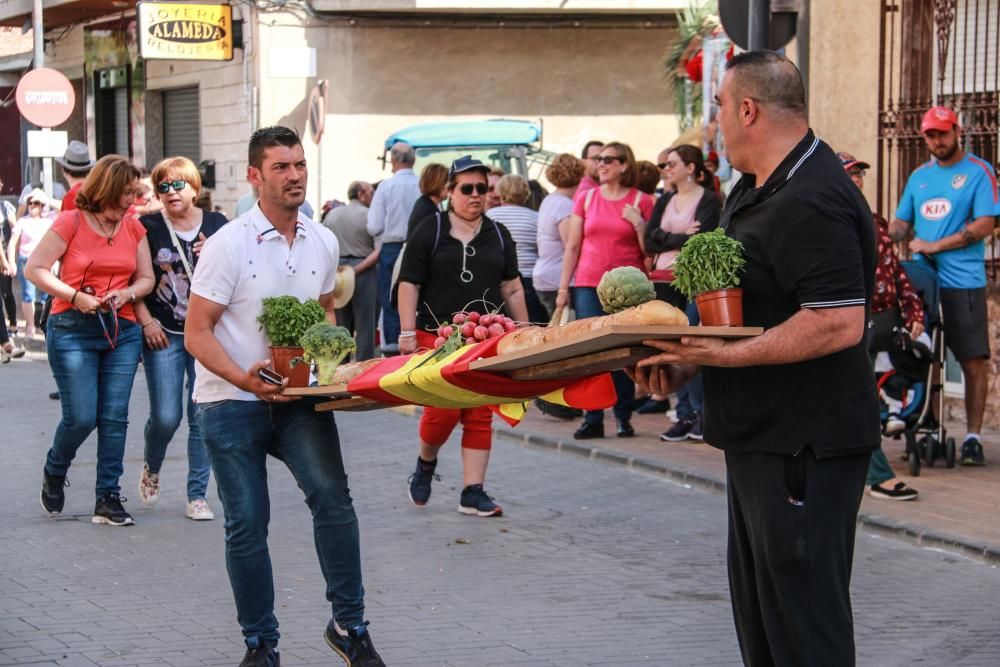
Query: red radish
point(486, 320)
point(467, 329)
point(458, 318)
point(508, 325)
point(472, 317)
point(496, 329)
point(439, 341)
point(481, 333)
point(470, 341)
point(447, 331)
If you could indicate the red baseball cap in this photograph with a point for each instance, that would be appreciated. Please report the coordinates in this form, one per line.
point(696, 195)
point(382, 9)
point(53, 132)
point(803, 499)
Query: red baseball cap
point(849, 161)
point(939, 118)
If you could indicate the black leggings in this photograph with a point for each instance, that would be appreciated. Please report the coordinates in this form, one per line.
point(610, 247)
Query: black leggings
point(7, 294)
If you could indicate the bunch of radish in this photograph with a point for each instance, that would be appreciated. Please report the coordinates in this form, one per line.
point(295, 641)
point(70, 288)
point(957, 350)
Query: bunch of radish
point(468, 328)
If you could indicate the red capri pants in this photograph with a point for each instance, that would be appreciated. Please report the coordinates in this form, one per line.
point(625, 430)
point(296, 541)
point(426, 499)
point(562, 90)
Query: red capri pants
point(436, 424)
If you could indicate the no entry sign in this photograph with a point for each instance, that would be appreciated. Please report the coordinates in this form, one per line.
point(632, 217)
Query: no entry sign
point(45, 97)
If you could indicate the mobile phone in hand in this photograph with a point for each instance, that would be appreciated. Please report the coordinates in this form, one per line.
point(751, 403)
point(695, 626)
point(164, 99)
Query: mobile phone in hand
point(269, 376)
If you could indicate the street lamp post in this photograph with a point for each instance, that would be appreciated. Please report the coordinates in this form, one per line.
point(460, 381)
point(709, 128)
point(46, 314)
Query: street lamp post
point(38, 34)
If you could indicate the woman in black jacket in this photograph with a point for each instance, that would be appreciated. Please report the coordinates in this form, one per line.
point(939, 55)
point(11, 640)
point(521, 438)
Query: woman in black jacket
point(689, 206)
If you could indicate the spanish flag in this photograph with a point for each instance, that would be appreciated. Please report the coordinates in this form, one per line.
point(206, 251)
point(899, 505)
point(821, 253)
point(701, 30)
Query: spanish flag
point(445, 380)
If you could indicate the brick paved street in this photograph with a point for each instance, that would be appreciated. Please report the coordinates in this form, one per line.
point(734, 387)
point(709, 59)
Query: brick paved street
point(592, 565)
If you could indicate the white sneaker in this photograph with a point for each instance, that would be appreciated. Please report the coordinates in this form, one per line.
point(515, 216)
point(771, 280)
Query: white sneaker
point(894, 425)
point(149, 486)
point(198, 510)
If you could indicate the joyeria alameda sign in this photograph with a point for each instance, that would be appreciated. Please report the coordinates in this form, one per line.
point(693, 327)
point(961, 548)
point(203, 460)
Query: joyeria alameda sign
point(185, 31)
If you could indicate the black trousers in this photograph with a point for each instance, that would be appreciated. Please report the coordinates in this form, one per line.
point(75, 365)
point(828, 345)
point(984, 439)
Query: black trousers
point(792, 522)
point(9, 303)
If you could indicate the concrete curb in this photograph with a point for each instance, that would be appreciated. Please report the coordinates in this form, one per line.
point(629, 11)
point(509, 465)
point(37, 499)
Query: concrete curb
point(877, 523)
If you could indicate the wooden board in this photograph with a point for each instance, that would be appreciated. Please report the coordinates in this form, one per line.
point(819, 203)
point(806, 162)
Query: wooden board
point(351, 404)
point(612, 337)
point(338, 390)
point(588, 364)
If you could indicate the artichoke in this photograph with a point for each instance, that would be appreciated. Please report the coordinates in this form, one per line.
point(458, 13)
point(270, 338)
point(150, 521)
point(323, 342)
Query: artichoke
point(623, 288)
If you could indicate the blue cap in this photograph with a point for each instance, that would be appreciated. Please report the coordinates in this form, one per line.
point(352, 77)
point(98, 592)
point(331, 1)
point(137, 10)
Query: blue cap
point(466, 163)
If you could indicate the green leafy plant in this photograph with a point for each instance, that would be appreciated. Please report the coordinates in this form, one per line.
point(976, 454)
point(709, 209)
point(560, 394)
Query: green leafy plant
point(284, 319)
point(326, 346)
point(708, 261)
point(624, 287)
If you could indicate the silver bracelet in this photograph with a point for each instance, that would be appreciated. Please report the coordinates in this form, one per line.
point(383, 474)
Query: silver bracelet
point(407, 334)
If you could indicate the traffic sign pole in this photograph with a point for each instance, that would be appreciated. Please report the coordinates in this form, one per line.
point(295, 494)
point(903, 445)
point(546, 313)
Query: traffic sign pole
point(39, 39)
point(758, 24)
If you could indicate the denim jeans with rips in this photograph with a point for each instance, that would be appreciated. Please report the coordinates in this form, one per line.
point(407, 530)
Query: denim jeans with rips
point(239, 436)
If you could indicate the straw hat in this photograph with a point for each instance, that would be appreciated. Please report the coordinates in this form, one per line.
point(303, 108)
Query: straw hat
point(343, 288)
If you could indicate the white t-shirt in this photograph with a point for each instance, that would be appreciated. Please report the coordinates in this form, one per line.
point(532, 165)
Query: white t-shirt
point(522, 223)
point(548, 269)
point(241, 264)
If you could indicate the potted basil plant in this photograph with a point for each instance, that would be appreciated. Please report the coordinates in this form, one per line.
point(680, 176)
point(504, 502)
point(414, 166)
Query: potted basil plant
point(284, 319)
point(708, 270)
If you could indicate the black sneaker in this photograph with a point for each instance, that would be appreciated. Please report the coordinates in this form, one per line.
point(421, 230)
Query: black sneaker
point(53, 496)
point(972, 453)
point(355, 647)
point(651, 406)
point(679, 431)
point(420, 481)
point(475, 502)
point(109, 510)
point(898, 492)
point(260, 654)
point(695, 432)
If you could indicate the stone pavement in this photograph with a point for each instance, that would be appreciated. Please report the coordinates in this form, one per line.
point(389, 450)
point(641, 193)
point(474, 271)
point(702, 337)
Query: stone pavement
point(957, 508)
point(593, 564)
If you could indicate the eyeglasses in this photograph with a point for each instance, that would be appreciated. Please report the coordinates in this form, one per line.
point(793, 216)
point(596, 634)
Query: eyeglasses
point(857, 172)
point(607, 159)
point(467, 188)
point(164, 187)
point(89, 289)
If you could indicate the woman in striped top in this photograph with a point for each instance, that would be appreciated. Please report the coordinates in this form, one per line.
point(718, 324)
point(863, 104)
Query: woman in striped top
point(522, 223)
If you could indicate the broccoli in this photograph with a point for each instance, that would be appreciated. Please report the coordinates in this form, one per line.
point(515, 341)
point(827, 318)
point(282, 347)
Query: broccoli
point(326, 345)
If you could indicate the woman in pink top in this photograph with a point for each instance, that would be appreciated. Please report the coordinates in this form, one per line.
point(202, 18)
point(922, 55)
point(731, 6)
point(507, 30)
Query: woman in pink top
point(28, 231)
point(605, 231)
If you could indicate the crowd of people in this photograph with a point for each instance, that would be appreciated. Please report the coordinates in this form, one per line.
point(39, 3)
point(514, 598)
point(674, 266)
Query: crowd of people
point(127, 268)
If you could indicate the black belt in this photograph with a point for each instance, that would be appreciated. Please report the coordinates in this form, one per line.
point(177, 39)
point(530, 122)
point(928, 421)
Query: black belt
point(351, 257)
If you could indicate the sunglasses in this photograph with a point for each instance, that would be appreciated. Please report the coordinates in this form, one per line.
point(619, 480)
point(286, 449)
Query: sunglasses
point(164, 187)
point(857, 172)
point(467, 188)
point(607, 159)
point(113, 312)
point(663, 165)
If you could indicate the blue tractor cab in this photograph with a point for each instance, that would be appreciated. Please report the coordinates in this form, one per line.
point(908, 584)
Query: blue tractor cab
point(513, 145)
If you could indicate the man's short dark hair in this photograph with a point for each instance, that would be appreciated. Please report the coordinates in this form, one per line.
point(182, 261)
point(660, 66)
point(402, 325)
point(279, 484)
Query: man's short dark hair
point(269, 137)
point(769, 79)
point(586, 148)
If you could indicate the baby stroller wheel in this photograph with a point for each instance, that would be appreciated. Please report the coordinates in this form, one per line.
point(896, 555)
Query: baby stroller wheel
point(949, 452)
point(929, 446)
point(914, 462)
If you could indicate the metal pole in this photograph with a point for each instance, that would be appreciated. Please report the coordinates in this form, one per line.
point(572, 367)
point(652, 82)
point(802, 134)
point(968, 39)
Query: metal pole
point(38, 35)
point(802, 42)
point(759, 24)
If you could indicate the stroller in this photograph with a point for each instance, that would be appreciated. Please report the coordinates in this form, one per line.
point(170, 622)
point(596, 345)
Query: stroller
point(912, 384)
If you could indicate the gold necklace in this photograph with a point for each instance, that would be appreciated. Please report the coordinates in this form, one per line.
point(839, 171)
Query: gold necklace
point(114, 228)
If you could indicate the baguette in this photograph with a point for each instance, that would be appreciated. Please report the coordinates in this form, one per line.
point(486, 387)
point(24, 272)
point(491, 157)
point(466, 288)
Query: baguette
point(347, 372)
point(650, 313)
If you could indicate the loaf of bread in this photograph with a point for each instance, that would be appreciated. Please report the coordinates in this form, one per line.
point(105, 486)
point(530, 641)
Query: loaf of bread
point(650, 313)
point(347, 372)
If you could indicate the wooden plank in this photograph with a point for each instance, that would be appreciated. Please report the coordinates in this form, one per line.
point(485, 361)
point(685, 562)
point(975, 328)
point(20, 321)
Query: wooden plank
point(320, 390)
point(589, 364)
point(352, 404)
point(608, 338)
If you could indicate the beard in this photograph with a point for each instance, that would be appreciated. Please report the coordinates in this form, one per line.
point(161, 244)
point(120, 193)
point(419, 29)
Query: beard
point(945, 153)
point(282, 198)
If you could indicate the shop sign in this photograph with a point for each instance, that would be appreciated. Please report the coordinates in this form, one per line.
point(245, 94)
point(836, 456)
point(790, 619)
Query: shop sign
point(45, 97)
point(185, 31)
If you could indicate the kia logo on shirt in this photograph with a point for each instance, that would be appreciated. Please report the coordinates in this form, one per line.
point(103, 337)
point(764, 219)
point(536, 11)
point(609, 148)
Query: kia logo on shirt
point(935, 209)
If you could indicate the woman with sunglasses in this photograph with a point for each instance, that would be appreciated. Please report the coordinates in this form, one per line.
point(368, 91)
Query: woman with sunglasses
point(175, 234)
point(605, 231)
point(28, 231)
point(457, 261)
point(93, 339)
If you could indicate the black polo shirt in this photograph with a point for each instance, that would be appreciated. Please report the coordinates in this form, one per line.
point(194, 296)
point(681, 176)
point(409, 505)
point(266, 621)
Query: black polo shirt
point(809, 241)
point(433, 261)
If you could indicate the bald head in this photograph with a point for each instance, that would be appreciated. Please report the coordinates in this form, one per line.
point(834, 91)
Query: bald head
point(402, 154)
point(771, 80)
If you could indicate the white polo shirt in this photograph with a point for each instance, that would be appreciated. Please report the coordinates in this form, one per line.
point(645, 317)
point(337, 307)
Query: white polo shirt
point(241, 264)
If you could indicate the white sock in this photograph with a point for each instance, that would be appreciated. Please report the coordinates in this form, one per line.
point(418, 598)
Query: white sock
point(970, 436)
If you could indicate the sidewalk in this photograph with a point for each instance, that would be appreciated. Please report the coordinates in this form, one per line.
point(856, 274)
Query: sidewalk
point(957, 508)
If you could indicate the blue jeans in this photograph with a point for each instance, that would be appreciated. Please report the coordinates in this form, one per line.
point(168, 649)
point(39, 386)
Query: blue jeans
point(691, 396)
point(586, 304)
point(29, 293)
point(390, 317)
point(239, 435)
point(165, 378)
point(82, 360)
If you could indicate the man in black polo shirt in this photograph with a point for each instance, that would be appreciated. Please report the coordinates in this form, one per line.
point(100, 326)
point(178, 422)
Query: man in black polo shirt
point(795, 409)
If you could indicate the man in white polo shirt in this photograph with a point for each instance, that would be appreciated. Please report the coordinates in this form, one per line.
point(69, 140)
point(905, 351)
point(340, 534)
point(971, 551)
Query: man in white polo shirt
point(272, 250)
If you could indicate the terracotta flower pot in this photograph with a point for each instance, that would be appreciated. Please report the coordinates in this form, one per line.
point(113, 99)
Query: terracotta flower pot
point(281, 358)
point(721, 307)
